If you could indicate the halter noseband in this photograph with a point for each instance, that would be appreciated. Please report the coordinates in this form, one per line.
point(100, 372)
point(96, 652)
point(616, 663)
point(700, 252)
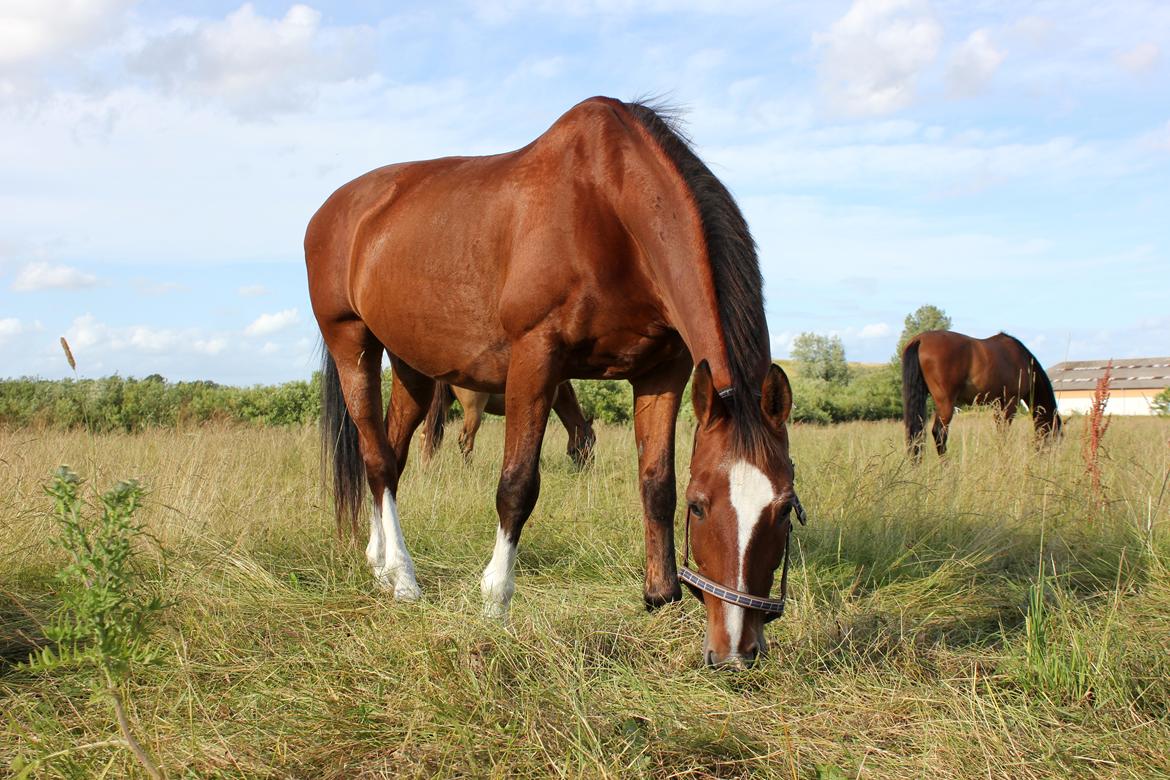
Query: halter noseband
point(772, 608)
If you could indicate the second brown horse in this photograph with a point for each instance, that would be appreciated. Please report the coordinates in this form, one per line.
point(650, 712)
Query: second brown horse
point(957, 369)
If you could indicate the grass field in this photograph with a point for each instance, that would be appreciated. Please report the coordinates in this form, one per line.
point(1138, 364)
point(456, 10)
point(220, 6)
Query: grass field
point(913, 647)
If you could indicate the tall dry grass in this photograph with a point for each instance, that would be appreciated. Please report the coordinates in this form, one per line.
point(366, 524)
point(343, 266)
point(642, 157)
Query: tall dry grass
point(974, 617)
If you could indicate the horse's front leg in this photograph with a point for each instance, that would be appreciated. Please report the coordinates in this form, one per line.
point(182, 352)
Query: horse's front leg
point(656, 401)
point(943, 413)
point(530, 392)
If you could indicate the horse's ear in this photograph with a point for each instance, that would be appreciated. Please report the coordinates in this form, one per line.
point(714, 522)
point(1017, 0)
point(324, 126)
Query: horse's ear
point(709, 407)
point(776, 397)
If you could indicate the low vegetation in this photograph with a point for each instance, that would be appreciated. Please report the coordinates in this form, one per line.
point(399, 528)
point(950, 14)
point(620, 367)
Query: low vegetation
point(127, 404)
point(979, 617)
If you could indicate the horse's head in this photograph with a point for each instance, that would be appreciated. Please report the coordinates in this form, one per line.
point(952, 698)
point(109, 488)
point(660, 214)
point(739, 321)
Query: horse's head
point(582, 440)
point(1049, 425)
point(740, 501)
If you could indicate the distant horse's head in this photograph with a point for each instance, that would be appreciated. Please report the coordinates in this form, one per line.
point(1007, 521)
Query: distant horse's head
point(740, 501)
point(582, 440)
point(1049, 425)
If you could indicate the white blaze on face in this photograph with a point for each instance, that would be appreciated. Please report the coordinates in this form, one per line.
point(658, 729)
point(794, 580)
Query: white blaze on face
point(387, 553)
point(499, 578)
point(750, 492)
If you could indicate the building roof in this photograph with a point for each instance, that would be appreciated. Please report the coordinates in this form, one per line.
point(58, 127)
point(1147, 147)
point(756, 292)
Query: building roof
point(1128, 374)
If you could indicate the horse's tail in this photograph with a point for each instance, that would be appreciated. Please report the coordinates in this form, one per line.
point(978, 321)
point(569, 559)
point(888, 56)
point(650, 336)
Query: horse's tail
point(436, 422)
point(913, 397)
point(339, 447)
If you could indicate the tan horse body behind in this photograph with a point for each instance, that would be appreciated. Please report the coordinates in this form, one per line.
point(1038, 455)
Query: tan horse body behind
point(476, 403)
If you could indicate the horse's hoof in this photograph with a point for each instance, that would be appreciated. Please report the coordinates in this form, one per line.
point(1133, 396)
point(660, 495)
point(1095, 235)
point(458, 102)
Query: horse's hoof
point(401, 584)
point(407, 591)
point(656, 600)
point(495, 610)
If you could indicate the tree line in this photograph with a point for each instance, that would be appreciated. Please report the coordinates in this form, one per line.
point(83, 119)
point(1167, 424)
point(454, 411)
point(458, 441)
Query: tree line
point(826, 388)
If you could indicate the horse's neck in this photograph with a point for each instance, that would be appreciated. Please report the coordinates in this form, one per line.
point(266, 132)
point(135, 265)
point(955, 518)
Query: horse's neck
point(680, 267)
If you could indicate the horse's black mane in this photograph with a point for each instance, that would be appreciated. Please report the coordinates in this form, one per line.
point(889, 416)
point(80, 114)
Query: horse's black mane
point(734, 267)
point(1043, 396)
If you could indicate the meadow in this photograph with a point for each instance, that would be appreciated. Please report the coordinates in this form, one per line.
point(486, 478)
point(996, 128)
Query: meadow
point(988, 616)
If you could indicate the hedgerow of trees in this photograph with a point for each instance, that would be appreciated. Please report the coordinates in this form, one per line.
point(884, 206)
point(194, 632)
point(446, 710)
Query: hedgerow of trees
point(825, 389)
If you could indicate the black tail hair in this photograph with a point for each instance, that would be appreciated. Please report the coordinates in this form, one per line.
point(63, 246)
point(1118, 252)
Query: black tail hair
point(913, 398)
point(436, 422)
point(339, 446)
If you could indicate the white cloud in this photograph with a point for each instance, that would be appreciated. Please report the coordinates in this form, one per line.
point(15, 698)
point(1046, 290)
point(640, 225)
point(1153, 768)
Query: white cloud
point(875, 330)
point(257, 66)
point(86, 331)
point(88, 334)
point(267, 324)
point(1141, 58)
point(32, 30)
point(252, 290)
point(147, 339)
point(212, 346)
point(872, 56)
point(9, 327)
point(46, 276)
point(973, 64)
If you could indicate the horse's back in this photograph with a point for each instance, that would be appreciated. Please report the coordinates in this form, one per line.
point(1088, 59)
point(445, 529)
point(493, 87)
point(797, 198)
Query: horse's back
point(450, 261)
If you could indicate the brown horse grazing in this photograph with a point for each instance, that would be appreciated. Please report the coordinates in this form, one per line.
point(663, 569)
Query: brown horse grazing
point(958, 369)
point(603, 249)
point(580, 429)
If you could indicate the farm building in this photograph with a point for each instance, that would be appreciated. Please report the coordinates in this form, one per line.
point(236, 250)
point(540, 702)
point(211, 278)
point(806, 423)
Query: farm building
point(1134, 384)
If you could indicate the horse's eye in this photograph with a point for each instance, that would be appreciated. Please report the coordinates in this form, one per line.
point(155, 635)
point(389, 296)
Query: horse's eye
point(694, 508)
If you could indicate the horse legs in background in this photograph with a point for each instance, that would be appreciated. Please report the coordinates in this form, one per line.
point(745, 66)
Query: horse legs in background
point(943, 413)
point(656, 401)
point(527, 405)
point(473, 404)
point(580, 429)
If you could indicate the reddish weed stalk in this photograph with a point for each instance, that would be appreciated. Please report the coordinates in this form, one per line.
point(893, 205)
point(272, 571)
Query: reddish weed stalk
point(1095, 428)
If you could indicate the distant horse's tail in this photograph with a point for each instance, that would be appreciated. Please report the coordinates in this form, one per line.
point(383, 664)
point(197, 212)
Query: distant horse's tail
point(436, 421)
point(339, 446)
point(913, 398)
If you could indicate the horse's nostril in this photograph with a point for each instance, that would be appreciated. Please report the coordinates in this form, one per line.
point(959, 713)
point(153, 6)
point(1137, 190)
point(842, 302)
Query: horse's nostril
point(709, 657)
point(752, 653)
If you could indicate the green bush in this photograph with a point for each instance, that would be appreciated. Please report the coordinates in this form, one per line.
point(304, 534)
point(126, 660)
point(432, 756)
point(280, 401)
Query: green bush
point(606, 400)
point(1162, 402)
point(127, 404)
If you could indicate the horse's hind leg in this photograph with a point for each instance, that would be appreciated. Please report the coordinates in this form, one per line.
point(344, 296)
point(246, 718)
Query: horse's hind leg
point(358, 355)
point(943, 414)
point(410, 396)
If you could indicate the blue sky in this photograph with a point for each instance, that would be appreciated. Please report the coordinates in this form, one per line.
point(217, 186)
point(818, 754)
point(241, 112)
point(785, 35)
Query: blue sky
point(1009, 162)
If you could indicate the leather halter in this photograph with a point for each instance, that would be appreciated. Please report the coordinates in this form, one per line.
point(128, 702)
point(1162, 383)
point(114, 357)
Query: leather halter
point(772, 608)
